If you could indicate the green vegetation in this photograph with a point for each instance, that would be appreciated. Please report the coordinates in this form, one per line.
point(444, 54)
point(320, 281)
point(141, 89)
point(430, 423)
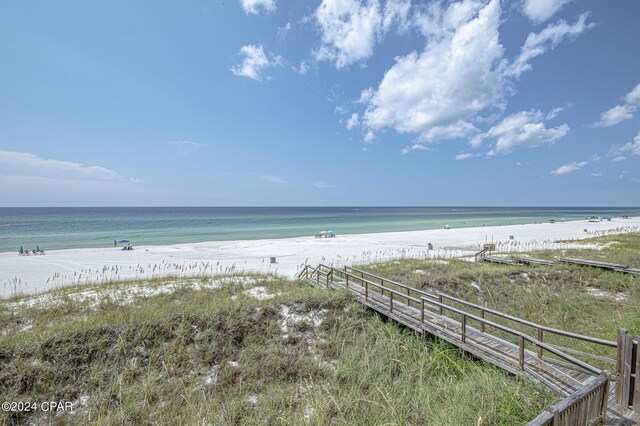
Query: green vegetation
point(239, 350)
point(581, 299)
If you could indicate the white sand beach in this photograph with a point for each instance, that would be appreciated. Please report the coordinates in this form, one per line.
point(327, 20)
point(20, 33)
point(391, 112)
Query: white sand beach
point(38, 273)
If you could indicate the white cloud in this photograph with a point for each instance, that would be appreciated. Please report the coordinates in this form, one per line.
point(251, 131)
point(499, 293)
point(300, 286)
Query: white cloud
point(303, 68)
point(253, 6)
point(186, 147)
point(541, 10)
point(255, 62)
point(569, 168)
point(369, 136)
point(283, 32)
point(519, 130)
point(396, 10)
point(465, 156)
point(439, 93)
point(323, 185)
point(633, 97)
point(547, 39)
point(554, 113)
point(597, 174)
point(619, 153)
point(615, 115)
point(452, 79)
point(350, 29)
point(273, 179)
point(353, 121)
point(365, 96)
point(414, 147)
point(27, 164)
point(622, 112)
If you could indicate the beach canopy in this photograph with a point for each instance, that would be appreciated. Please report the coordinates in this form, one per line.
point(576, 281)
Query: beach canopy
point(123, 241)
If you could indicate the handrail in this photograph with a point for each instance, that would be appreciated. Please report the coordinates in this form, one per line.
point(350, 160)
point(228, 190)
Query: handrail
point(482, 321)
point(390, 290)
point(532, 324)
point(502, 314)
point(581, 393)
point(519, 334)
point(406, 287)
point(555, 414)
point(482, 254)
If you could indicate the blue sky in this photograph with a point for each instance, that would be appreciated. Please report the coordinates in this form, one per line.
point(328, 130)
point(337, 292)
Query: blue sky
point(326, 102)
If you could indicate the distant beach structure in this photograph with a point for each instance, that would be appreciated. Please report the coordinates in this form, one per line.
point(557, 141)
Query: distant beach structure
point(325, 234)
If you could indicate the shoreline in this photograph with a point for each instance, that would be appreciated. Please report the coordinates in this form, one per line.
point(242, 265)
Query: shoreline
point(58, 268)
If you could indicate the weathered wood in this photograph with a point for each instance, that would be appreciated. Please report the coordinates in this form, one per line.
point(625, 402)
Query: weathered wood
point(540, 339)
point(636, 372)
point(584, 354)
point(515, 358)
point(605, 265)
point(501, 260)
point(622, 338)
point(583, 407)
point(531, 324)
point(464, 328)
point(530, 260)
point(626, 371)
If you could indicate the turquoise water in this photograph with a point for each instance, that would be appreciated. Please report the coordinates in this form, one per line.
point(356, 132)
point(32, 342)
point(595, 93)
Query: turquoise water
point(60, 228)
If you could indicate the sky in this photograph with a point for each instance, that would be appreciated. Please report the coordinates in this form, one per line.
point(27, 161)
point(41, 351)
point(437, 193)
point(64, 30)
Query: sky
point(320, 103)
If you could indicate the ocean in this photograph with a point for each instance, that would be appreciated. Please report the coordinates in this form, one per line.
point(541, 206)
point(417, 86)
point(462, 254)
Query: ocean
point(84, 227)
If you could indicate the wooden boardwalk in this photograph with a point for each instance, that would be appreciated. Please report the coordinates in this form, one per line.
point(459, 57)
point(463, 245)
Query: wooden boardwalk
point(448, 318)
point(483, 256)
point(603, 265)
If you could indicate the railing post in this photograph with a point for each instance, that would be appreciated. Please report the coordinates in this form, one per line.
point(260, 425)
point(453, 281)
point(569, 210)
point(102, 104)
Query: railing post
point(605, 397)
point(440, 307)
point(317, 278)
point(482, 323)
point(347, 280)
point(521, 352)
point(464, 328)
point(540, 337)
point(636, 372)
point(366, 291)
point(391, 302)
point(623, 367)
point(422, 311)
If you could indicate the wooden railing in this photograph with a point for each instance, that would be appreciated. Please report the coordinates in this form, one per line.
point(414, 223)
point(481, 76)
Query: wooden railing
point(481, 255)
point(628, 371)
point(424, 300)
point(587, 406)
point(538, 331)
point(592, 394)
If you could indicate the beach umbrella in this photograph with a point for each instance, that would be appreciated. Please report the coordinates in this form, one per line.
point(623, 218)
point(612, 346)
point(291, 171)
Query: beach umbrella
point(123, 241)
point(37, 248)
point(21, 250)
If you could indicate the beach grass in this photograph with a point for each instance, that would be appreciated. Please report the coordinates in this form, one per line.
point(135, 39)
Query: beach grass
point(581, 299)
point(239, 350)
